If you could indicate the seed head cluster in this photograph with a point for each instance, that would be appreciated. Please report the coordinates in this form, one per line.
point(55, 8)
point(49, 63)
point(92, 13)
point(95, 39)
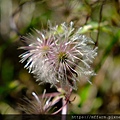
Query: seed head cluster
point(59, 55)
point(38, 105)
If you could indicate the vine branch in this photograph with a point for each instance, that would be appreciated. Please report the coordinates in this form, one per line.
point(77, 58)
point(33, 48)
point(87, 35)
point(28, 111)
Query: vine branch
point(100, 19)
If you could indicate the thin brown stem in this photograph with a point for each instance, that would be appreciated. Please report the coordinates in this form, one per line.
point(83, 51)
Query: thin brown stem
point(100, 19)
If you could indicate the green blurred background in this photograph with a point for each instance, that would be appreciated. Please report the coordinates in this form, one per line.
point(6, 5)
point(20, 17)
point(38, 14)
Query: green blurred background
point(100, 20)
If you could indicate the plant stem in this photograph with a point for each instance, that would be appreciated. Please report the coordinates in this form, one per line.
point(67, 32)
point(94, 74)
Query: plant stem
point(64, 110)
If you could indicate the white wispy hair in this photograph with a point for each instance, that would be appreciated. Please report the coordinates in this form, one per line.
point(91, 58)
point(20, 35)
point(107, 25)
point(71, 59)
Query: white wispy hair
point(59, 55)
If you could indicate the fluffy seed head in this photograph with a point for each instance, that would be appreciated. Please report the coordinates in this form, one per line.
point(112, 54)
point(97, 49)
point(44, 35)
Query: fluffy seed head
point(38, 105)
point(59, 56)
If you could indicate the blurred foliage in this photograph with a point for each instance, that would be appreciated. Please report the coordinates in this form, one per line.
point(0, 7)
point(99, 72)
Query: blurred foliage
point(99, 19)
